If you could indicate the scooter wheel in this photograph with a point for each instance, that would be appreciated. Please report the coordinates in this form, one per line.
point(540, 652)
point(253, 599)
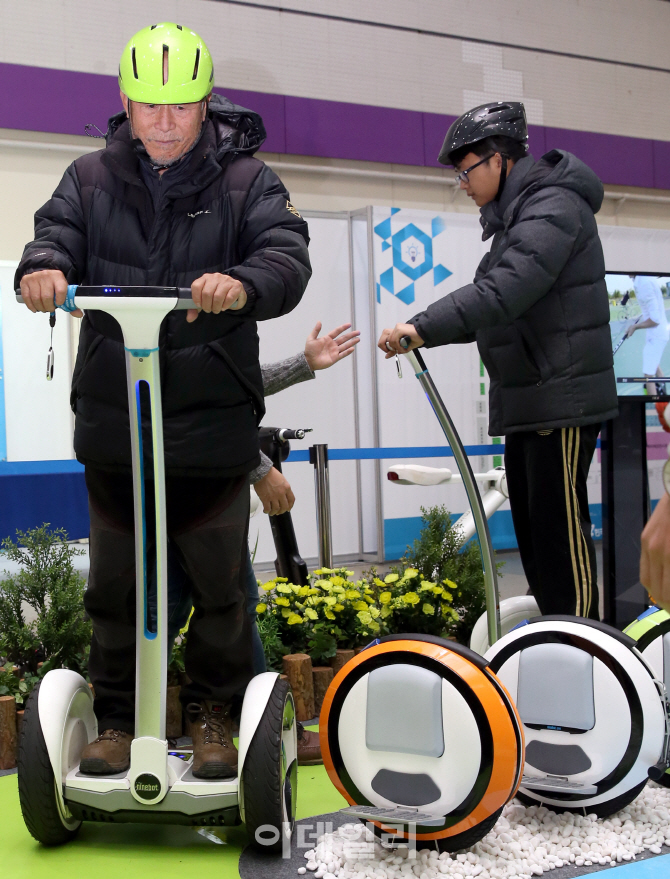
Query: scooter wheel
point(602, 810)
point(42, 811)
point(270, 774)
point(450, 843)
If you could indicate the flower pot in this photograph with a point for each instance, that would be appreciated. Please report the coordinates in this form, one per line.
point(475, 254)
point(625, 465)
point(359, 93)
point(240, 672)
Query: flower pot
point(173, 713)
point(19, 723)
point(322, 676)
point(298, 670)
point(9, 740)
point(341, 658)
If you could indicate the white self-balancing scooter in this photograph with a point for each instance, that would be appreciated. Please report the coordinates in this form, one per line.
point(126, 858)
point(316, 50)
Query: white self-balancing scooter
point(651, 632)
point(159, 786)
point(417, 733)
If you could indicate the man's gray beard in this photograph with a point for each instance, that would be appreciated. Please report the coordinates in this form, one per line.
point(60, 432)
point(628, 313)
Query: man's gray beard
point(159, 163)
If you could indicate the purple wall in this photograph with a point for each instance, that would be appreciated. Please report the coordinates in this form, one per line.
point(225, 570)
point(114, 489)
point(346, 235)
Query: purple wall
point(61, 101)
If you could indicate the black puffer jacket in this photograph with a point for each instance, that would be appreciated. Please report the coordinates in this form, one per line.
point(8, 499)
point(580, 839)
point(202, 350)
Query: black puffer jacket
point(538, 305)
point(229, 214)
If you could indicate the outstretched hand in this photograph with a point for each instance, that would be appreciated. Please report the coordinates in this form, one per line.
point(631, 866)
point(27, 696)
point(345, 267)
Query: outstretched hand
point(324, 352)
point(655, 557)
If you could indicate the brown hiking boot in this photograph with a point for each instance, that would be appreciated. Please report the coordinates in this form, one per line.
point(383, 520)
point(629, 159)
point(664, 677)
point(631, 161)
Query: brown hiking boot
point(309, 748)
point(214, 753)
point(108, 754)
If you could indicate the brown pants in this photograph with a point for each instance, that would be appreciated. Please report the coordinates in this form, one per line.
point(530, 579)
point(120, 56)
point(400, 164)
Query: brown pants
point(207, 525)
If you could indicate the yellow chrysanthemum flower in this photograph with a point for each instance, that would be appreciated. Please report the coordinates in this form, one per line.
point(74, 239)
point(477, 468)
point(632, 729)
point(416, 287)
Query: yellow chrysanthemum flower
point(364, 617)
point(351, 594)
point(378, 582)
point(283, 602)
point(285, 612)
point(330, 600)
point(411, 598)
point(281, 579)
point(330, 615)
point(338, 607)
point(261, 608)
point(369, 599)
point(266, 587)
point(425, 585)
point(387, 610)
point(360, 605)
point(450, 583)
point(374, 612)
point(428, 609)
point(385, 597)
point(284, 590)
point(337, 580)
point(391, 578)
point(446, 595)
point(294, 619)
point(311, 614)
point(409, 573)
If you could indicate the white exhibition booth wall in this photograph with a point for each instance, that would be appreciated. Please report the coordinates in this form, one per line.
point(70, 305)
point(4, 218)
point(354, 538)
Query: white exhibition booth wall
point(373, 268)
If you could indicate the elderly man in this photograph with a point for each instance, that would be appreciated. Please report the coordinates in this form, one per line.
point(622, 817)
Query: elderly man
point(174, 199)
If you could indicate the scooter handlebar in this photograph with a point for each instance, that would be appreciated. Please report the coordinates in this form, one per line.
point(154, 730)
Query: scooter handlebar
point(181, 295)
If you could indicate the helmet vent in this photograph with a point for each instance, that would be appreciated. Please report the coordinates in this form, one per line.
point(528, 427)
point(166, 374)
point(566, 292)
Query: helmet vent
point(134, 63)
point(166, 63)
point(179, 27)
point(153, 27)
point(197, 64)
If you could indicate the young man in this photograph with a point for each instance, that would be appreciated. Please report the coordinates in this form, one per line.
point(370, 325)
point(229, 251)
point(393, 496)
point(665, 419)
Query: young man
point(175, 199)
point(539, 312)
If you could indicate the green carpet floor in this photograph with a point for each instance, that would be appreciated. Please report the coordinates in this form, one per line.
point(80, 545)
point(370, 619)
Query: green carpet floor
point(139, 851)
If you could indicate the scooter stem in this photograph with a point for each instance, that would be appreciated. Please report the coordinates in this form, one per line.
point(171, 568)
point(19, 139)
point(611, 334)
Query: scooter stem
point(140, 312)
point(488, 562)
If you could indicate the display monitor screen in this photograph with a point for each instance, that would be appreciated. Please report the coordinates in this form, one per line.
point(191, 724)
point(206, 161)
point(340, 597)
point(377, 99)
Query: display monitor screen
point(640, 326)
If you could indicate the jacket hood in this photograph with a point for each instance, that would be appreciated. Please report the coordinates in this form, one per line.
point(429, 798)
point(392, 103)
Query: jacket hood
point(560, 168)
point(237, 129)
point(555, 168)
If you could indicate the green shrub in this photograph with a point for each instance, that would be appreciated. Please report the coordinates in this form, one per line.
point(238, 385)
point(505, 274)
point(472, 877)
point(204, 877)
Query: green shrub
point(13, 685)
point(438, 555)
point(48, 583)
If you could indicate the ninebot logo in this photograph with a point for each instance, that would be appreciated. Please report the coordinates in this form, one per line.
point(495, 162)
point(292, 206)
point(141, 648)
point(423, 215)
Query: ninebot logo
point(147, 786)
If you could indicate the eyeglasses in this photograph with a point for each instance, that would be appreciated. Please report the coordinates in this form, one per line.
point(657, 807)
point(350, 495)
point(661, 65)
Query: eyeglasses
point(462, 176)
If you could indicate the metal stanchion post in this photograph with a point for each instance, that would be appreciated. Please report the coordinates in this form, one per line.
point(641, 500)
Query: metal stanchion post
point(318, 456)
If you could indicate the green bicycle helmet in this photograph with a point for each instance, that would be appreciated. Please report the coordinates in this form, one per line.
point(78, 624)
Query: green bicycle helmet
point(166, 64)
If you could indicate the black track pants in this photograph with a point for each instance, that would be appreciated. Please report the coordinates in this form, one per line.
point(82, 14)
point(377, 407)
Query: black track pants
point(207, 524)
point(546, 478)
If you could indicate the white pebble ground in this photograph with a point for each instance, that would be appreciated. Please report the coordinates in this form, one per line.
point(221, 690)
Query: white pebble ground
point(526, 842)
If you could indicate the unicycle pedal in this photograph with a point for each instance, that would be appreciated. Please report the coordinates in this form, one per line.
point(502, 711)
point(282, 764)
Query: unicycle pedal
point(397, 815)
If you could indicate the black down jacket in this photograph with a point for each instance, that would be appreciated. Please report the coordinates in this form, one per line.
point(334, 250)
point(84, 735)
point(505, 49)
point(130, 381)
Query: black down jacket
point(538, 305)
point(229, 213)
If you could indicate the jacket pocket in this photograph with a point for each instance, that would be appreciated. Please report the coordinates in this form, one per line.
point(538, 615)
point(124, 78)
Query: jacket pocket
point(79, 370)
point(256, 399)
point(534, 351)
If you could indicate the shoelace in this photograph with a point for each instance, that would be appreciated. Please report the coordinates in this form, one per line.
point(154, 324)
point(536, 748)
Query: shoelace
point(215, 731)
point(110, 735)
